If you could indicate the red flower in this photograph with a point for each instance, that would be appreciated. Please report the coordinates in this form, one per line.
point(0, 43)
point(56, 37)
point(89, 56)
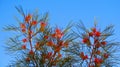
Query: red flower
point(91, 34)
point(61, 43)
point(103, 43)
point(97, 34)
point(59, 55)
point(81, 54)
point(85, 40)
point(42, 24)
point(98, 60)
point(31, 52)
point(34, 22)
point(93, 30)
point(97, 45)
point(46, 37)
point(57, 48)
point(23, 30)
point(57, 30)
point(106, 55)
point(58, 33)
point(98, 52)
point(84, 57)
point(53, 35)
point(49, 55)
point(50, 43)
point(28, 18)
point(27, 59)
point(37, 46)
point(22, 26)
point(23, 46)
point(24, 40)
point(91, 66)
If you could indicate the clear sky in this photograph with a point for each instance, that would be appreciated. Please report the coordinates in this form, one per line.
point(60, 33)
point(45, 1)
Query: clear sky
point(61, 12)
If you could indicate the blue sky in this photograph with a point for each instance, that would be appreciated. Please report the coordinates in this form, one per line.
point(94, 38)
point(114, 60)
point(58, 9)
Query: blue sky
point(61, 12)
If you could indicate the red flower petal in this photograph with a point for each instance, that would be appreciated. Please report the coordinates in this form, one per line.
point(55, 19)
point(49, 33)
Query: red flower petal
point(106, 55)
point(97, 34)
point(28, 18)
point(23, 30)
point(22, 26)
point(27, 59)
point(42, 24)
point(93, 30)
point(103, 42)
point(34, 22)
point(31, 52)
point(85, 40)
point(24, 40)
point(23, 46)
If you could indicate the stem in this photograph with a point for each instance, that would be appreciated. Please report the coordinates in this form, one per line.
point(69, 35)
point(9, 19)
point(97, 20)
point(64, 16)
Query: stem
point(52, 58)
point(91, 57)
point(29, 36)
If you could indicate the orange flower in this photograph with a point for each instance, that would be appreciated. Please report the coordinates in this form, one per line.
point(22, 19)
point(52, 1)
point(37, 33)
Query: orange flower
point(97, 34)
point(106, 55)
point(37, 46)
point(23, 30)
point(93, 30)
point(57, 49)
point(23, 46)
point(53, 35)
point(27, 59)
point(84, 57)
point(98, 60)
point(91, 34)
point(81, 54)
point(97, 45)
point(58, 33)
point(42, 24)
point(22, 26)
point(98, 52)
point(61, 43)
point(31, 52)
point(59, 55)
point(85, 40)
point(91, 66)
point(34, 22)
point(24, 40)
point(57, 30)
point(49, 55)
point(50, 43)
point(28, 18)
point(46, 37)
point(103, 43)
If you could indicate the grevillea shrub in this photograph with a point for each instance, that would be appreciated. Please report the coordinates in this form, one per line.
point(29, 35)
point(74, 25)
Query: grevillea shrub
point(37, 44)
point(94, 48)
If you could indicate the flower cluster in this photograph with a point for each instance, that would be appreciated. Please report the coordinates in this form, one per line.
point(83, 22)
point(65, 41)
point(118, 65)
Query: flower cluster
point(43, 46)
point(52, 40)
point(93, 41)
point(26, 29)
